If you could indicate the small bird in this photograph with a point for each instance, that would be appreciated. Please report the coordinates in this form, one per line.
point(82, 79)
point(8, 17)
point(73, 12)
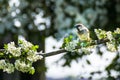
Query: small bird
point(83, 32)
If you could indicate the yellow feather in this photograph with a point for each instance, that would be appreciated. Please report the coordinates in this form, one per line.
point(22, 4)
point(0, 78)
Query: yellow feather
point(84, 37)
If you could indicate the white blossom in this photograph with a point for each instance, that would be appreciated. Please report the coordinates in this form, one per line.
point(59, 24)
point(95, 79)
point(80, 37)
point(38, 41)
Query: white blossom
point(13, 50)
point(100, 33)
point(25, 45)
point(6, 67)
point(117, 31)
point(22, 66)
point(26, 49)
point(33, 56)
point(109, 35)
point(71, 46)
point(9, 68)
point(86, 50)
point(2, 64)
point(111, 46)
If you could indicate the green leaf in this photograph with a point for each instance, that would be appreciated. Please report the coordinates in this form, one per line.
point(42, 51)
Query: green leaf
point(35, 47)
point(67, 40)
point(20, 41)
point(32, 71)
point(83, 44)
point(10, 56)
point(70, 37)
point(1, 54)
point(5, 46)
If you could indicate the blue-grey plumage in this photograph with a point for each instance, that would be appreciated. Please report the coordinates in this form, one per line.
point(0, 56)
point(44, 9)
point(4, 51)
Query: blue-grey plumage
point(83, 32)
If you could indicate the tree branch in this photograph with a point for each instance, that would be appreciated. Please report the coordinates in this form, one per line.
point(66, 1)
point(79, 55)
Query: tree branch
point(46, 54)
point(53, 53)
point(77, 47)
point(96, 42)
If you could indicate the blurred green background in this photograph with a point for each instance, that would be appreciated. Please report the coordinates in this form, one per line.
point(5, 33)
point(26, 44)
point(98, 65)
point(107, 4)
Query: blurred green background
point(36, 20)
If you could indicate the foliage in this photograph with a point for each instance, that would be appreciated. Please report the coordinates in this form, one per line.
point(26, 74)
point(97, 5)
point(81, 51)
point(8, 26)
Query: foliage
point(19, 57)
point(112, 44)
point(78, 49)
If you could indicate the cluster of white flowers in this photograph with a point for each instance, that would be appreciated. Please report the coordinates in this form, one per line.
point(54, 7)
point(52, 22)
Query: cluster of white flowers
point(71, 46)
point(22, 57)
point(101, 34)
point(25, 45)
point(111, 46)
point(9, 68)
point(86, 50)
point(23, 66)
point(117, 31)
point(32, 56)
point(12, 49)
point(109, 35)
point(6, 66)
point(2, 64)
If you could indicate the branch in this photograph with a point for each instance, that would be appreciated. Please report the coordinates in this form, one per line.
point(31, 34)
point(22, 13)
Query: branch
point(77, 47)
point(96, 42)
point(53, 53)
point(46, 54)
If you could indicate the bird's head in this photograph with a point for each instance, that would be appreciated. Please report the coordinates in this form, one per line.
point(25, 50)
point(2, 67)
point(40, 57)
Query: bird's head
point(82, 32)
point(79, 27)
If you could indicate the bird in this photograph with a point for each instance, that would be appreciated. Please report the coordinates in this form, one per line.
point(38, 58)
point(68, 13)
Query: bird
point(83, 32)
